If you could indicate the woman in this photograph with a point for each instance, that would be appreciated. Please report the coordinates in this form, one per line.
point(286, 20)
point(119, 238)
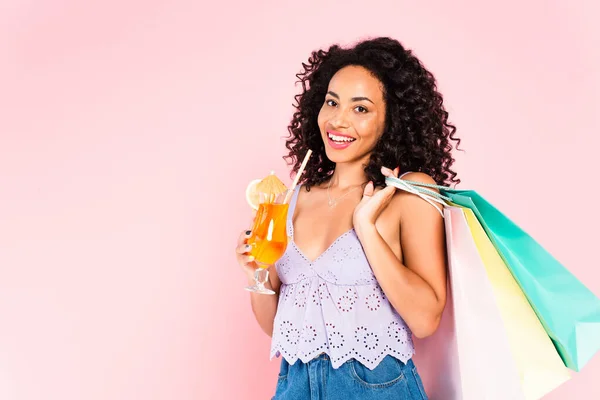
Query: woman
point(365, 266)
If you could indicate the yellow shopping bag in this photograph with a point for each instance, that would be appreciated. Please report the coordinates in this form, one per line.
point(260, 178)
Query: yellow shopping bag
point(539, 365)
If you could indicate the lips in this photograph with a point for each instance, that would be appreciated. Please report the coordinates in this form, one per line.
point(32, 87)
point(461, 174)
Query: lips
point(338, 140)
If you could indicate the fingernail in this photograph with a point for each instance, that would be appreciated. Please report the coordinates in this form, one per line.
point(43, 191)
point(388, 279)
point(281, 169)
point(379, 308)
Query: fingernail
point(248, 247)
point(248, 233)
point(250, 258)
point(385, 170)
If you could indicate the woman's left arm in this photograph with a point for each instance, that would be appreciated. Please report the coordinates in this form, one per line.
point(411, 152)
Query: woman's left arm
point(416, 288)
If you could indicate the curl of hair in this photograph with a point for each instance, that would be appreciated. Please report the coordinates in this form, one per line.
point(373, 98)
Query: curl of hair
point(417, 135)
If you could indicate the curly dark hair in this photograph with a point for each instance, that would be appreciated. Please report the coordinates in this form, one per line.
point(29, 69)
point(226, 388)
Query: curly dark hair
point(417, 134)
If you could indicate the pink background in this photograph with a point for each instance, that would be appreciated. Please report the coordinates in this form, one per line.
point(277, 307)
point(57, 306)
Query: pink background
point(128, 132)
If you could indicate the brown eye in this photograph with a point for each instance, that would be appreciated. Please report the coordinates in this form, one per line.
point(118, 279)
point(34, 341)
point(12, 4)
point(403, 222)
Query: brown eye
point(361, 109)
point(330, 103)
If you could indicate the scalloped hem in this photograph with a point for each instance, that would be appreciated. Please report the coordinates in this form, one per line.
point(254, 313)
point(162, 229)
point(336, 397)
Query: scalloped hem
point(371, 364)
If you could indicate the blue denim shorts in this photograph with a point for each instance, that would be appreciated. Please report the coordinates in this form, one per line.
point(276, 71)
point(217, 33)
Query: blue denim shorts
point(317, 380)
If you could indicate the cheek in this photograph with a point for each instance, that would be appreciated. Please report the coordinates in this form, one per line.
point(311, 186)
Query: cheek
point(321, 118)
point(370, 130)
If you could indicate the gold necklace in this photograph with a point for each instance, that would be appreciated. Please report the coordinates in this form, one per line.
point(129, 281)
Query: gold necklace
point(333, 202)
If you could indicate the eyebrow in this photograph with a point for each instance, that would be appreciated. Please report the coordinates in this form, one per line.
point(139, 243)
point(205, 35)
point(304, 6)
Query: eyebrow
point(353, 99)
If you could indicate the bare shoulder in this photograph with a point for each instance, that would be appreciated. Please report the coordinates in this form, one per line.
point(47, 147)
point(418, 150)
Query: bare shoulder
point(409, 206)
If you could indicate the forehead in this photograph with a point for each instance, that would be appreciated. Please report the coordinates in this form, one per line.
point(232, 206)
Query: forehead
point(354, 81)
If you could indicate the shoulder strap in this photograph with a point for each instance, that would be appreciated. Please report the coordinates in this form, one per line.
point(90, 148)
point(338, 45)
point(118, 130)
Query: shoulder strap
point(291, 208)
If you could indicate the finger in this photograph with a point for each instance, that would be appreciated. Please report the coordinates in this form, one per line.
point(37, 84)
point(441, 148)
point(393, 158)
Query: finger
point(384, 195)
point(396, 171)
point(386, 171)
point(369, 190)
point(243, 249)
point(244, 236)
point(247, 259)
point(390, 190)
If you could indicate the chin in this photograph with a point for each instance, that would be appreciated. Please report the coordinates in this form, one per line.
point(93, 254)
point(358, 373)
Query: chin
point(343, 157)
point(337, 156)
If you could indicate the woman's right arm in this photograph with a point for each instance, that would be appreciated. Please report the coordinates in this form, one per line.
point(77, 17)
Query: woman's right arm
point(264, 306)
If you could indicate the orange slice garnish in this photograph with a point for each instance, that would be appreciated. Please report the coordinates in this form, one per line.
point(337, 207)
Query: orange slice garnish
point(252, 196)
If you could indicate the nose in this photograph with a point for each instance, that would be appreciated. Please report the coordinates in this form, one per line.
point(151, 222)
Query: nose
point(339, 119)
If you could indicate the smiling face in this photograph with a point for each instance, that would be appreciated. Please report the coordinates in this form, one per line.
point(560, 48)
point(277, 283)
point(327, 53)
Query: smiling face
point(352, 118)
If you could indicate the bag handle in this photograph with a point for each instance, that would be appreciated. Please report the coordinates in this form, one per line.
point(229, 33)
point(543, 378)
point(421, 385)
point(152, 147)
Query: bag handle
point(415, 188)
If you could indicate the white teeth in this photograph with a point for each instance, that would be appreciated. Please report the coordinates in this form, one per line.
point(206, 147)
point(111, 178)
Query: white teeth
point(340, 138)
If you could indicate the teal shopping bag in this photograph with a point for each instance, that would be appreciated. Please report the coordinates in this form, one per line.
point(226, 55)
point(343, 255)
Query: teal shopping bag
point(568, 310)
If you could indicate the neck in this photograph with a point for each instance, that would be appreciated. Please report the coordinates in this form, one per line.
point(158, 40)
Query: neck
point(348, 175)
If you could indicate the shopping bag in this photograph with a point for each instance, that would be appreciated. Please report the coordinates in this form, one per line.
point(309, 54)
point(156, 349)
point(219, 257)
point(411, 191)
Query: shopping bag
point(540, 367)
point(567, 309)
point(436, 357)
point(478, 358)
